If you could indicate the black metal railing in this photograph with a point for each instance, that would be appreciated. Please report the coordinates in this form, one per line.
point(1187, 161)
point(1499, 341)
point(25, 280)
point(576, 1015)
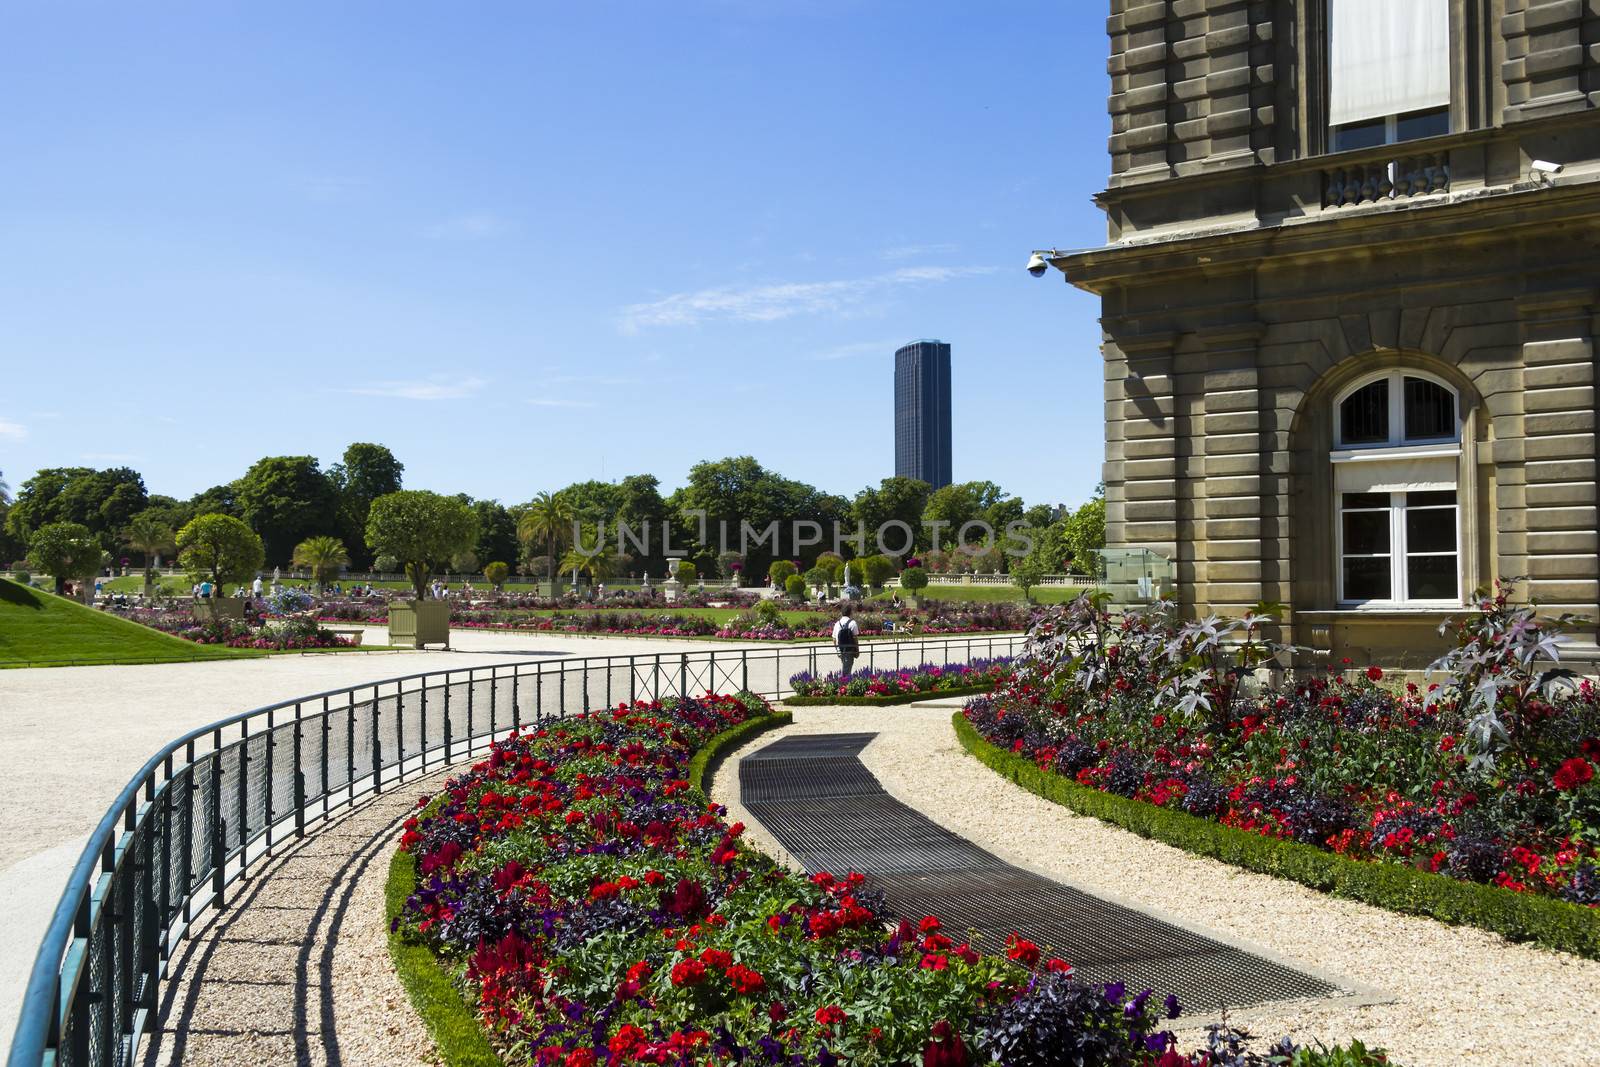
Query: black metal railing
point(205, 809)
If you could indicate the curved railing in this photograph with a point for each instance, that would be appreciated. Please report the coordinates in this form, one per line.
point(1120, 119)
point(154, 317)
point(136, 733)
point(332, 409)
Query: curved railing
point(214, 802)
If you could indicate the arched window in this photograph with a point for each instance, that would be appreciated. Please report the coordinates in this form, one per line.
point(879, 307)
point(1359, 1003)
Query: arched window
point(1397, 453)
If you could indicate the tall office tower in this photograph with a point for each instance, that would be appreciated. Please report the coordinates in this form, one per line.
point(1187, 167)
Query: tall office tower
point(922, 412)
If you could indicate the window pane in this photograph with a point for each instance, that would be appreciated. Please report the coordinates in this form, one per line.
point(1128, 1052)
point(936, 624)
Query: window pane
point(1364, 416)
point(1366, 500)
point(1430, 577)
point(1358, 135)
point(1431, 499)
point(1420, 124)
point(1366, 532)
point(1367, 578)
point(1430, 410)
point(1429, 530)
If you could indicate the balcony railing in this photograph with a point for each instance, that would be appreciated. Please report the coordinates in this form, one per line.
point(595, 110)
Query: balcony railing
point(1372, 180)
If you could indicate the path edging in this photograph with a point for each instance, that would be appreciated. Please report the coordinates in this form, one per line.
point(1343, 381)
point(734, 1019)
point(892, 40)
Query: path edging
point(1551, 923)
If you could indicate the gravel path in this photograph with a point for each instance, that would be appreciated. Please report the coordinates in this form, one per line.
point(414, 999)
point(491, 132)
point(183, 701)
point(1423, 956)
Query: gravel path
point(296, 970)
point(1448, 995)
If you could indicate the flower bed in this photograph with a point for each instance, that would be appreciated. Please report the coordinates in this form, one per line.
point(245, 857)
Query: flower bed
point(896, 683)
point(594, 909)
point(1484, 776)
point(278, 636)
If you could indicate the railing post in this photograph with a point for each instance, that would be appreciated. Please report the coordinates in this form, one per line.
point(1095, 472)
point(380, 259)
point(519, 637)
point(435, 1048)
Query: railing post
point(400, 702)
point(299, 779)
point(538, 693)
point(187, 829)
point(655, 680)
point(683, 675)
point(164, 913)
point(585, 687)
point(377, 751)
point(242, 806)
point(327, 732)
point(448, 731)
point(219, 830)
point(516, 708)
point(744, 670)
point(633, 682)
point(471, 733)
point(494, 705)
point(350, 744)
point(272, 744)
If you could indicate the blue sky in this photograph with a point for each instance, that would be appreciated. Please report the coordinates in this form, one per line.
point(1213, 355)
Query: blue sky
point(528, 243)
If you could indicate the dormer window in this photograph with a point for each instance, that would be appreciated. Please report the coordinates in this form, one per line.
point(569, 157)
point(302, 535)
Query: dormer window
point(1396, 458)
point(1388, 71)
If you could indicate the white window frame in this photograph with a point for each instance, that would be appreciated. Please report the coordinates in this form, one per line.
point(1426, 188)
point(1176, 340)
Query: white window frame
point(1396, 448)
point(1397, 414)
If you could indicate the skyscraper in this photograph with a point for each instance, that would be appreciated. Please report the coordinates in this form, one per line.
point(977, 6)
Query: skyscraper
point(922, 412)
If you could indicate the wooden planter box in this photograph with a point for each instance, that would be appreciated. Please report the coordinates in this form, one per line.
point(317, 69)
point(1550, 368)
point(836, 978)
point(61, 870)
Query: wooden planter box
point(417, 623)
point(218, 609)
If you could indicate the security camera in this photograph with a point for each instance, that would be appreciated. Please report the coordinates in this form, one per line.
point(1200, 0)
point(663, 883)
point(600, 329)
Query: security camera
point(1543, 166)
point(1037, 264)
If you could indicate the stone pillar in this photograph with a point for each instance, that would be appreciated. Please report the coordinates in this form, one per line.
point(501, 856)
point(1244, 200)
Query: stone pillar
point(1545, 495)
point(1232, 524)
point(1141, 469)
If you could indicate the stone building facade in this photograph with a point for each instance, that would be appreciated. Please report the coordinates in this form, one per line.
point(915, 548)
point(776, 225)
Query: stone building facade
point(1349, 355)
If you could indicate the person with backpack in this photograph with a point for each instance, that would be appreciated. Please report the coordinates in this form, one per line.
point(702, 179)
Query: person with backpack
point(847, 637)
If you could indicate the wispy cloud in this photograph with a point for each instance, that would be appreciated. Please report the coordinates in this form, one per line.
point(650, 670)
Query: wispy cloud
point(550, 402)
point(478, 226)
point(770, 303)
point(590, 379)
point(436, 388)
point(857, 349)
point(12, 431)
point(915, 251)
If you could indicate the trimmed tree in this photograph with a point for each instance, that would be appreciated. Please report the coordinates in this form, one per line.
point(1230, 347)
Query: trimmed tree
point(420, 529)
point(65, 550)
point(914, 580)
point(323, 556)
point(221, 548)
point(779, 572)
point(1027, 573)
point(496, 574)
point(687, 575)
point(794, 587)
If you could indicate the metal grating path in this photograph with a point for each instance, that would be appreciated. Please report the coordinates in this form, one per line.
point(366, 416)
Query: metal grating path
point(814, 795)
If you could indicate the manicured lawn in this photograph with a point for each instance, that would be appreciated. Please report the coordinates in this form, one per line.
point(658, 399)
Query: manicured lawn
point(39, 629)
point(990, 594)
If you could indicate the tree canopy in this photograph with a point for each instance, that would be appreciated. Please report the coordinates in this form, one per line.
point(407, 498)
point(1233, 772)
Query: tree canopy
point(287, 499)
point(65, 551)
point(102, 500)
point(219, 547)
point(420, 529)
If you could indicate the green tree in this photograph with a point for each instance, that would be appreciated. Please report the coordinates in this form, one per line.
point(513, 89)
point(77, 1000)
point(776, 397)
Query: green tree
point(1084, 532)
point(363, 474)
point(287, 499)
point(687, 574)
point(421, 530)
point(914, 580)
point(219, 547)
point(953, 506)
point(497, 531)
point(877, 569)
point(779, 571)
point(65, 551)
point(547, 521)
point(496, 574)
point(1027, 571)
point(895, 500)
point(150, 535)
point(102, 500)
point(738, 490)
point(323, 556)
point(597, 567)
point(794, 587)
point(820, 577)
point(218, 500)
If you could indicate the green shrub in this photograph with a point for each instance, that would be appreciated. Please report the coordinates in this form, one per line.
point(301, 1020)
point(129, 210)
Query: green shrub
point(779, 572)
point(914, 579)
point(768, 611)
point(497, 573)
point(794, 587)
point(687, 575)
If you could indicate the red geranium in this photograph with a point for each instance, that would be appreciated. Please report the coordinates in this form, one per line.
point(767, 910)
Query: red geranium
point(945, 1047)
point(1021, 950)
point(688, 972)
point(1573, 773)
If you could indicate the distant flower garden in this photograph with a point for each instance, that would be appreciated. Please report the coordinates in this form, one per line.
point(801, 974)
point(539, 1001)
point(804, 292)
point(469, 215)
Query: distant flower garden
point(596, 911)
point(275, 636)
point(900, 681)
point(1486, 774)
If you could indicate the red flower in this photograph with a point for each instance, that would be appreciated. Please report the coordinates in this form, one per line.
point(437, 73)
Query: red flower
point(829, 1014)
point(1021, 950)
point(688, 972)
point(928, 924)
point(945, 1047)
point(1375, 674)
point(1572, 774)
point(744, 980)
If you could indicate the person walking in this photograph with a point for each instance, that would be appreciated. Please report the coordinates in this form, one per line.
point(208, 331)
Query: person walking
point(847, 637)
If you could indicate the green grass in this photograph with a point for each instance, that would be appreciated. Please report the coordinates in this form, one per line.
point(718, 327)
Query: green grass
point(1546, 921)
point(988, 594)
point(40, 629)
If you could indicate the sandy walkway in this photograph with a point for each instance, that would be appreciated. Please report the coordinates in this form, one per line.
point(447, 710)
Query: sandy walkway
point(1453, 994)
point(297, 969)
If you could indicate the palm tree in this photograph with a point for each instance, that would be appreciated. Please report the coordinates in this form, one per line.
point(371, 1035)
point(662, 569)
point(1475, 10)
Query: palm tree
point(548, 518)
point(149, 535)
point(597, 566)
point(5, 492)
point(322, 556)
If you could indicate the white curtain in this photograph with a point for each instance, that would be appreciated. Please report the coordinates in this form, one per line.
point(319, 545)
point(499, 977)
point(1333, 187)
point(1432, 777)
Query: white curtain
point(1387, 57)
point(1395, 475)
